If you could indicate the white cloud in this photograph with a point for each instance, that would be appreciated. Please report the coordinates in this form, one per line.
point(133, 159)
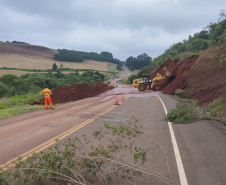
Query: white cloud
point(123, 27)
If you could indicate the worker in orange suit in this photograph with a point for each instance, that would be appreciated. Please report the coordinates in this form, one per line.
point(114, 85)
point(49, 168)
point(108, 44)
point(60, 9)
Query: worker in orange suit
point(46, 92)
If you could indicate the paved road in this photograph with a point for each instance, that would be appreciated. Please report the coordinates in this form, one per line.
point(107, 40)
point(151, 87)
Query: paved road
point(201, 146)
point(125, 74)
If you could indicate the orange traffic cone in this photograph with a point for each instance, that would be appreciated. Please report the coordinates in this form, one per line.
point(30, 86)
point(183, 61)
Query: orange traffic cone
point(116, 101)
point(122, 98)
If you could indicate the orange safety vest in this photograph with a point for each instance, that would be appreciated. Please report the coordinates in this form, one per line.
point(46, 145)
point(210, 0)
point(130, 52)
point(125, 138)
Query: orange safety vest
point(46, 92)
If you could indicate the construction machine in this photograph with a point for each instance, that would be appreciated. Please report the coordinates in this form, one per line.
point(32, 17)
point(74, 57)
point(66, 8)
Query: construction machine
point(147, 83)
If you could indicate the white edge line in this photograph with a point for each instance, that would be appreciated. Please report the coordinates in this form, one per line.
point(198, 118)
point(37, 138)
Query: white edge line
point(183, 179)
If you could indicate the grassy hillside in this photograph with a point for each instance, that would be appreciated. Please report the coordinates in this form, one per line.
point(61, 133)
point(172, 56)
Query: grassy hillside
point(37, 57)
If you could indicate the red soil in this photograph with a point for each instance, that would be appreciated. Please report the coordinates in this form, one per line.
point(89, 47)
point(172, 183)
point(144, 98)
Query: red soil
point(75, 92)
point(201, 77)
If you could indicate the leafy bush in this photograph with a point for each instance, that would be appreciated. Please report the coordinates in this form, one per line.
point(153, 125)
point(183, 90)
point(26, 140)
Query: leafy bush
point(3, 89)
point(8, 79)
point(182, 114)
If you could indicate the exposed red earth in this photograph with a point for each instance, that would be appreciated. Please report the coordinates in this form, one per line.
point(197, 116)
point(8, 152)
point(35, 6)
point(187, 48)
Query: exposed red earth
point(75, 92)
point(201, 77)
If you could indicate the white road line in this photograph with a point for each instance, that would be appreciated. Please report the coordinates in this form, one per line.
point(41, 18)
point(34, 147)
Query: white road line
point(183, 179)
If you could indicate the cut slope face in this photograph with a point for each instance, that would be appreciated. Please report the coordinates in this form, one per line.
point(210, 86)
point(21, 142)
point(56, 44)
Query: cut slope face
point(208, 75)
point(201, 77)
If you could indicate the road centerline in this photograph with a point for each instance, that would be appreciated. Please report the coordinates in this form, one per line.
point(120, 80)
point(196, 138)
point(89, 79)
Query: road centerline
point(54, 139)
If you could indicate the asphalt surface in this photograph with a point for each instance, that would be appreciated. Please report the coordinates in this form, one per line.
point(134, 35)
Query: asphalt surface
point(201, 146)
point(120, 76)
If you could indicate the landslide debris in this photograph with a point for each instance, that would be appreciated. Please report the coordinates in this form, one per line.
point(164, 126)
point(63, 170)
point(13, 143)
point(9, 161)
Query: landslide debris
point(75, 92)
point(200, 77)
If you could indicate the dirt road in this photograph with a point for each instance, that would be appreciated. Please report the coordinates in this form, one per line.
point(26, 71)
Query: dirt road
point(196, 151)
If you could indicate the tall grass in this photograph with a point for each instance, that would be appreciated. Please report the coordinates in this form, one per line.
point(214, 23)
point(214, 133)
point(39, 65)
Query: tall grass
point(19, 104)
point(20, 100)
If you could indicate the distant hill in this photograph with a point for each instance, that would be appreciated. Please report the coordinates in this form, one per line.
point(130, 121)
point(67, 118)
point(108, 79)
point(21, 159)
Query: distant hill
point(26, 56)
point(26, 50)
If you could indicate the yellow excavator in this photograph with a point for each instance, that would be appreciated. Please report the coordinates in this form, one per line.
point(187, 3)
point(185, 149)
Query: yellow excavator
point(147, 83)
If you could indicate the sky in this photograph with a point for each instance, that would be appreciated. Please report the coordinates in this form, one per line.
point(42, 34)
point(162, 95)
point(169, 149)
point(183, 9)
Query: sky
point(122, 27)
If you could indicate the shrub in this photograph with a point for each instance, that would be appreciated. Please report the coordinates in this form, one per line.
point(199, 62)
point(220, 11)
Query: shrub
point(182, 114)
point(8, 79)
point(178, 91)
point(3, 89)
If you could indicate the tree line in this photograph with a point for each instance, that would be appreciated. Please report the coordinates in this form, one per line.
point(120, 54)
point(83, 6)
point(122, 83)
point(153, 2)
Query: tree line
point(79, 56)
point(138, 62)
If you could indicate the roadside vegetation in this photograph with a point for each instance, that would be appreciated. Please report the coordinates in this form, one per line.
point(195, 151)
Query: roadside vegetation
point(217, 108)
point(18, 104)
point(17, 92)
point(11, 85)
point(188, 111)
point(182, 114)
point(121, 159)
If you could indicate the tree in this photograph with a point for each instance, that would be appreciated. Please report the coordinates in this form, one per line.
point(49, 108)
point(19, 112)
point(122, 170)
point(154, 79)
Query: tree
point(61, 66)
point(139, 62)
point(107, 54)
point(54, 67)
point(222, 15)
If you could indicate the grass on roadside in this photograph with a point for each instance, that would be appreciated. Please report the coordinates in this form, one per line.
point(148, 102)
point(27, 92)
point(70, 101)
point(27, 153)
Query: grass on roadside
point(17, 110)
point(218, 107)
point(18, 104)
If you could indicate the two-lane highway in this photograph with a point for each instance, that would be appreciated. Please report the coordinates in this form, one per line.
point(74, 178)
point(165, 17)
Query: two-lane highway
point(198, 157)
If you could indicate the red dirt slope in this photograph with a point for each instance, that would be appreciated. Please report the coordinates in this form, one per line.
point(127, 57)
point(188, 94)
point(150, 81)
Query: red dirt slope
point(75, 92)
point(201, 77)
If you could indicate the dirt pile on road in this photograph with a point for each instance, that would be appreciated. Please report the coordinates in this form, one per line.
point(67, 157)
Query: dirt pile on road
point(201, 77)
point(75, 92)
